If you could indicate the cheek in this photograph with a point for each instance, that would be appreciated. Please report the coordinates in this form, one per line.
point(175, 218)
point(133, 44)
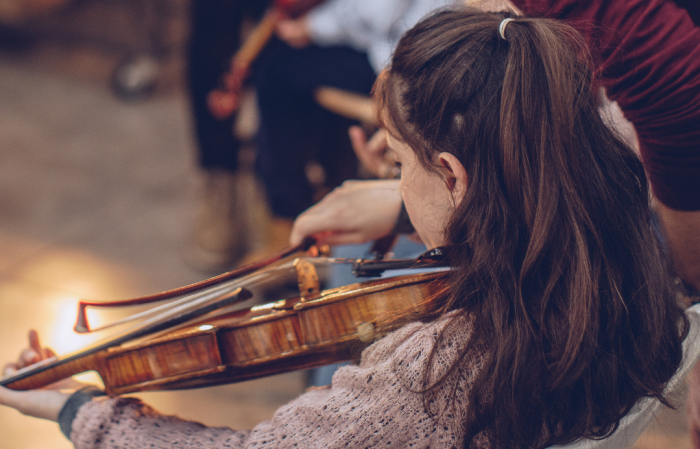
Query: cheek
point(410, 203)
point(410, 191)
point(415, 210)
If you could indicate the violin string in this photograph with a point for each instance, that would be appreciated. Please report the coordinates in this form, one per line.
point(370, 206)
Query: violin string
point(250, 281)
point(163, 308)
point(223, 288)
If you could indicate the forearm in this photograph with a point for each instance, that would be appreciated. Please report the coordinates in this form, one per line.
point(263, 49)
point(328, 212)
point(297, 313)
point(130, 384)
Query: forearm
point(682, 232)
point(44, 404)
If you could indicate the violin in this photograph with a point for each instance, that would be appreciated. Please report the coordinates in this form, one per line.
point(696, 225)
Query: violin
point(204, 342)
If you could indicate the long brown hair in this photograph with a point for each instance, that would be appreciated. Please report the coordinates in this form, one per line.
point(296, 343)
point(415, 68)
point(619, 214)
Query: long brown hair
point(557, 259)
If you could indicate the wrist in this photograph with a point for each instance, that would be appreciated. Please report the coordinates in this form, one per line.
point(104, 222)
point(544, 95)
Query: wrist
point(43, 404)
point(72, 405)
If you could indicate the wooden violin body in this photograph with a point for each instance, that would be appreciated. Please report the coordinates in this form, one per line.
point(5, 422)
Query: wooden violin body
point(314, 329)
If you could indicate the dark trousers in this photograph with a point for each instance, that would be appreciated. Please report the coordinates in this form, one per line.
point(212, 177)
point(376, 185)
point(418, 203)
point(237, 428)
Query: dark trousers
point(215, 37)
point(294, 129)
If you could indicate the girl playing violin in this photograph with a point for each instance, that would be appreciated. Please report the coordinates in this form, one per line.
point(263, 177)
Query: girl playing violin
point(559, 317)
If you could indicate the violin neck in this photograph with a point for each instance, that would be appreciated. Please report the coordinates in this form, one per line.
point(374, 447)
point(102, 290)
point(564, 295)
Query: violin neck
point(52, 370)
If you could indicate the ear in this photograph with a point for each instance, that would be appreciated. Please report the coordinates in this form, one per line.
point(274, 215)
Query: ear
point(455, 176)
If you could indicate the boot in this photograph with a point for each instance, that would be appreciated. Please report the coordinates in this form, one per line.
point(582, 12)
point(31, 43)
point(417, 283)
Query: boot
point(264, 234)
point(217, 234)
point(275, 238)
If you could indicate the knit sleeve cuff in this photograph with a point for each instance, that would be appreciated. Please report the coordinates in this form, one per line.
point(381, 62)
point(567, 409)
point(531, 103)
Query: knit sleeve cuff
point(70, 409)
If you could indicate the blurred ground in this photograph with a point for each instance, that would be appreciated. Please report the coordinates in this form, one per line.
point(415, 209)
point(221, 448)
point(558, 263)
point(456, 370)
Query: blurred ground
point(96, 199)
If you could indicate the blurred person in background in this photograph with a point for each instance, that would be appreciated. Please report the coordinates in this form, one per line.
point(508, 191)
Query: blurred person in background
point(219, 235)
point(341, 44)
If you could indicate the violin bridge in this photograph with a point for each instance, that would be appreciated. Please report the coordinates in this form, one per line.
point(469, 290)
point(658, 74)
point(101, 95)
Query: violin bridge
point(307, 279)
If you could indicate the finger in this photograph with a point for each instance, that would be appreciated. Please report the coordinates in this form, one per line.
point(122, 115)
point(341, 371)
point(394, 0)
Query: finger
point(357, 135)
point(344, 238)
point(324, 217)
point(28, 357)
point(288, 31)
point(48, 353)
point(309, 225)
point(9, 369)
point(34, 341)
point(317, 221)
point(357, 138)
point(377, 143)
point(280, 32)
point(388, 171)
point(222, 104)
point(370, 154)
point(299, 232)
point(295, 237)
point(230, 81)
point(322, 237)
point(334, 236)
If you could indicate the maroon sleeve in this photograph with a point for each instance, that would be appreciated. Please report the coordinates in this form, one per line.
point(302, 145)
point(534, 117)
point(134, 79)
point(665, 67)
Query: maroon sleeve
point(649, 56)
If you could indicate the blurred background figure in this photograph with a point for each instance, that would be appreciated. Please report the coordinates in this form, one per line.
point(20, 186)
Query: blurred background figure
point(223, 231)
point(304, 149)
point(15, 11)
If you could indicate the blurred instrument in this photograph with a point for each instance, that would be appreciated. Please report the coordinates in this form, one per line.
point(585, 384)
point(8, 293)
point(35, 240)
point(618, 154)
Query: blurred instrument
point(225, 101)
point(17, 11)
point(347, 104)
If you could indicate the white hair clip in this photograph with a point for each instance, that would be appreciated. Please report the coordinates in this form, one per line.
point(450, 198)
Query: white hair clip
point(502, 27)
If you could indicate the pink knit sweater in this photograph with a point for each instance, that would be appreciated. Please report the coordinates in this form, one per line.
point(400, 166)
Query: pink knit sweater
point(373, 404)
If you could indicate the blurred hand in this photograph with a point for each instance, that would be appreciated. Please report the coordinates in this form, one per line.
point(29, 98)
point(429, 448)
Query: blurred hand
point(45, 403)
point(294, 32)
point(372, 152)
point(222, 103)
point(355, 212)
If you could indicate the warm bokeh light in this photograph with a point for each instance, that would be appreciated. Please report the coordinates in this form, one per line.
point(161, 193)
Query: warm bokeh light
point(63, 338)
